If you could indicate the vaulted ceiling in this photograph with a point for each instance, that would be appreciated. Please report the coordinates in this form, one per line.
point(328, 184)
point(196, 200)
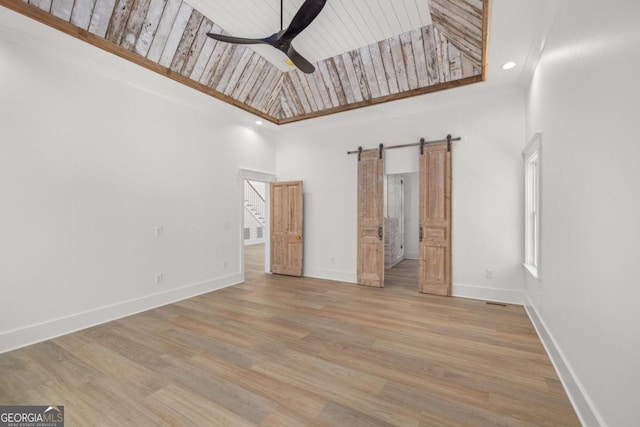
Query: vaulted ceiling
point(365, 52)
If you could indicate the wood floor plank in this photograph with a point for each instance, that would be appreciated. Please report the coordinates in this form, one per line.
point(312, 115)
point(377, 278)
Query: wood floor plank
point(233, 397)
point(359, 401)
point(61, 364)
point(340, 415)
point(285, 351)
point(302, 402)
point(130, 375)
point(238, 355)
point(20, 373)
point(407, 372)
point(285, 417)
point(433, 405)
point(115, 402)
point(178, 406)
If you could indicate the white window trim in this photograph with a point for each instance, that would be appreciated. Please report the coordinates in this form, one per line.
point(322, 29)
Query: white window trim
point(532, 151)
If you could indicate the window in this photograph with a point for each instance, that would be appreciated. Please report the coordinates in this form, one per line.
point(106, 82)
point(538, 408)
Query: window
point(532, 156)
point(260, 231)
point(247, 233)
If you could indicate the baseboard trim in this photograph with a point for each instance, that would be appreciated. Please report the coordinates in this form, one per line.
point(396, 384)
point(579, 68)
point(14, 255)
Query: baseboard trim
point(580, 400)
point(22, 337)
point(339, 276)
point(412, 255)
point(487, 294)
point(458, 290)
point(254, 242)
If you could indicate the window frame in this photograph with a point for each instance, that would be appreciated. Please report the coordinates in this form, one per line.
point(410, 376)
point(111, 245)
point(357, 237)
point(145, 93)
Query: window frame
point(532, 156)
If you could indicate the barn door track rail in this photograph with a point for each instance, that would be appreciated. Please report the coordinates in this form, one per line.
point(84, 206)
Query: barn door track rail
point(448, 140)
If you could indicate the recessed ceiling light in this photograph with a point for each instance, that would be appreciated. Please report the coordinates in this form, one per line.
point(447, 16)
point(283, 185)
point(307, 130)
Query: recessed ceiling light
point(259, 122)
point(509, 65)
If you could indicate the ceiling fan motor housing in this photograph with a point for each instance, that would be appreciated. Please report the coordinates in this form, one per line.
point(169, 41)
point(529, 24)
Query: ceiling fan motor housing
point(282, 40)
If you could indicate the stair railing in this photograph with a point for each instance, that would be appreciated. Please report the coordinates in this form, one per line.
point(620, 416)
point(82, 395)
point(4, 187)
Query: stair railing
point(254, 201)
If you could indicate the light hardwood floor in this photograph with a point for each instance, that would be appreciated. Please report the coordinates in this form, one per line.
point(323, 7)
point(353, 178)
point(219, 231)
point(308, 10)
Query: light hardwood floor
point(403, 275)
point(253, 262)
point(284, 351)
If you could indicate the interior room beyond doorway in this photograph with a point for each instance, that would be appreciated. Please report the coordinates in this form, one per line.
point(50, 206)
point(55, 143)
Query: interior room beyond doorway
point(255, 226)
point(401, 210)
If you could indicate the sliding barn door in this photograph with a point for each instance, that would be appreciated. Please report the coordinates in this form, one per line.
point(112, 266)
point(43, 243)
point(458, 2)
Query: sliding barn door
point(370, 219)
point(435, 220)
point(286, 228)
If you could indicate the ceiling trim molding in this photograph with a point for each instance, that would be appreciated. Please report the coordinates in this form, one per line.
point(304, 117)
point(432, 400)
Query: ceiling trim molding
point(486, 24)
point(388, 98)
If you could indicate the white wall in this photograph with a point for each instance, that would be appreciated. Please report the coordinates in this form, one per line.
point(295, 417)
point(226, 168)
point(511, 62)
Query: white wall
point(584, 99)
point(95, 153)
point(487, 189)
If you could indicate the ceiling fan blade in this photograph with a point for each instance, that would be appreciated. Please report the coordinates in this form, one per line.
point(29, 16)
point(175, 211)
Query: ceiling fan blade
point(309, 10)
point(300, 61)
point(237, 40)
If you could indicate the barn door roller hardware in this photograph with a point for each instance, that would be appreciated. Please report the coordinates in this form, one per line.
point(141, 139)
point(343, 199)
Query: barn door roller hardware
point(448, 140)
point(380, 232)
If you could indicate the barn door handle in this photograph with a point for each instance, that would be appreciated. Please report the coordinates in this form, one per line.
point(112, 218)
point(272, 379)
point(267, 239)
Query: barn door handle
point(380, 232)
point(421, 232)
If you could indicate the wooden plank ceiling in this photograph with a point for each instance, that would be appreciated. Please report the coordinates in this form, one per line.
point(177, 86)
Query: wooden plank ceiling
point(343, 25)
point(169, 37)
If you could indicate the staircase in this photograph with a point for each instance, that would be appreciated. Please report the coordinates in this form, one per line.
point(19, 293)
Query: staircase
point(255, 207)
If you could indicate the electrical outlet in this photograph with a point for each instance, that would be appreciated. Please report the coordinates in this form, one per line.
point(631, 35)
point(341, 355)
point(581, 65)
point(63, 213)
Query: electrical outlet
point(489, 273)
point(333, 260)
point(225, 225)
point(159, 231)
point(225, 264)
point(159, 279)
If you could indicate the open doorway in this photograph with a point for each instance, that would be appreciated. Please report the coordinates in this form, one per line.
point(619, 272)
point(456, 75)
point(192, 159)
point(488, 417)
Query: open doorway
point(401, 211)
point(254, 227)
point(432, 205)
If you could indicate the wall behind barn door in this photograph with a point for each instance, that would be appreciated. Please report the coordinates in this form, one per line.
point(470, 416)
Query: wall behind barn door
point(487, 220)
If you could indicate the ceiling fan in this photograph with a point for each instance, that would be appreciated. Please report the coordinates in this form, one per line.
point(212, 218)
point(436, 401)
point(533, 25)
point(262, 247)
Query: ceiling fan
point(281, 40)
